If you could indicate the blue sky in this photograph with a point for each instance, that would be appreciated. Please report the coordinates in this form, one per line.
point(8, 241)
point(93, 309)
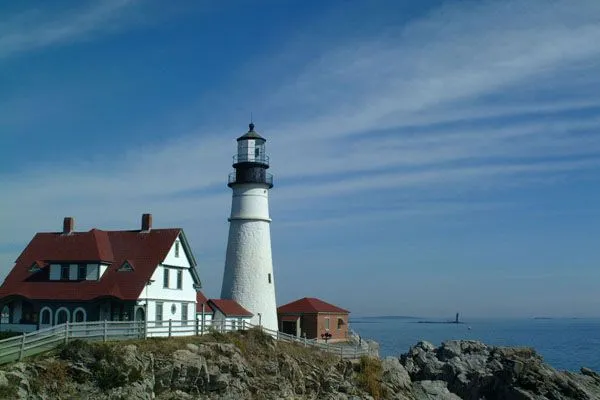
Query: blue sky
point(430, 157)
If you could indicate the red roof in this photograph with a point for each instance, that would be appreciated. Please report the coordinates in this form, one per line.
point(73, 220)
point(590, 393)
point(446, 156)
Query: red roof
point(145, 250)
point(230, 308)
point(310, 305)
point(201, 299)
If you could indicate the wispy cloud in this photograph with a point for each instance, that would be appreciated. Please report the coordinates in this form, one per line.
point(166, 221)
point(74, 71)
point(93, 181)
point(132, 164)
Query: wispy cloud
point(39, 28)
point(475, 95)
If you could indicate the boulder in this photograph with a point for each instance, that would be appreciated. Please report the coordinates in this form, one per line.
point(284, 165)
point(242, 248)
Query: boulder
point(394, 375)
point(433, 390)
point(472, 371)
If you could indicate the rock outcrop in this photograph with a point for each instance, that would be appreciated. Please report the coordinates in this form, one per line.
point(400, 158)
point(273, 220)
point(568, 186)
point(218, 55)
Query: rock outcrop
point(473, 371)
point(250, 365)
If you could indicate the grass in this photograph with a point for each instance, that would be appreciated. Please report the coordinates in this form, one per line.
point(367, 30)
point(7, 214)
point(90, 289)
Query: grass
point(105, 360)
point(369, 376)
point(52, 378)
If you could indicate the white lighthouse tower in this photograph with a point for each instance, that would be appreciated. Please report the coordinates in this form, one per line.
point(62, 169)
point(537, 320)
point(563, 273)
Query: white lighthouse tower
point(248, 277)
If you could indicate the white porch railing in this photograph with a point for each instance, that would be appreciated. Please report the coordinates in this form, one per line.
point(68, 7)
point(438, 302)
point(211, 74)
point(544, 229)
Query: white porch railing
point(18, 347)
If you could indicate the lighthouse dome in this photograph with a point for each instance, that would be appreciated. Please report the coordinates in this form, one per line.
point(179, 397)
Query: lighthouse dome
point(251, 134)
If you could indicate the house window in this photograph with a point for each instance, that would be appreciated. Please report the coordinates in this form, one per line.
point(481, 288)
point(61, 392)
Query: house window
point(179, 279)
point(46, 316)
point(62, 316)
point(81, 272)
point(159, 314)
point(326, 324)
point(5, 315)
point(340, 323)
point(184, 313)
point(64, 272)
point(126, 267)
point(269, 276)
point(34, 268)
point(166, 278)
point(79, 315)
point(233, 327)
point(177, 249)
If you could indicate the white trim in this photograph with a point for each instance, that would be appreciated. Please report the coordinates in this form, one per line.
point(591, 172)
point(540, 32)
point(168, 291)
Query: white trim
point(59, 310)
point(42, 314)
point(84, 314)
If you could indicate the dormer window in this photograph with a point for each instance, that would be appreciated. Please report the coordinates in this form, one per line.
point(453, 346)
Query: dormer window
point(64, 272)
point(126, 267)
point(81, 272)
point(35, 267)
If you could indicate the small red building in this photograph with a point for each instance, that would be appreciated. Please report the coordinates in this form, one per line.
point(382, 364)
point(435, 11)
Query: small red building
point(314, 318)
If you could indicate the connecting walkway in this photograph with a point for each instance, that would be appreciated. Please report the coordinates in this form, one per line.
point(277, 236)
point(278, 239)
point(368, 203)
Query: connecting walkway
point(19, 347)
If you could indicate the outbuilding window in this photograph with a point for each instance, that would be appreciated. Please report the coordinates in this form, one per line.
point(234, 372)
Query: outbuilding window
point(326, 324)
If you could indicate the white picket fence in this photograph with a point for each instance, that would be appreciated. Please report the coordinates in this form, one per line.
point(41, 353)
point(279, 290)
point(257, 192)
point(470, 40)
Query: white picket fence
point(32, 343)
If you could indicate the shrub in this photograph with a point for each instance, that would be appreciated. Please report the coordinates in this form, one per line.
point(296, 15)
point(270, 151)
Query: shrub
point(76, 351)
point(369, 376)
point(8, 392)
point(52, 378)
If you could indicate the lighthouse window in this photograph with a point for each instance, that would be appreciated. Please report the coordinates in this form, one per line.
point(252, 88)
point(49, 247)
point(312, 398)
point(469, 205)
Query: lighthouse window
point(256, 152)
point(269, 278)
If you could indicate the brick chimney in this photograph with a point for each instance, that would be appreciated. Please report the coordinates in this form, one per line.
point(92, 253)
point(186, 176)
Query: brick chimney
point(146, 222)
point(68, 225)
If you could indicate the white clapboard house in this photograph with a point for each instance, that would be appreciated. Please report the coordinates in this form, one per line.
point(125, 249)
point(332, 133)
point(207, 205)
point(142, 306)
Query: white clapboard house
point(143, 275)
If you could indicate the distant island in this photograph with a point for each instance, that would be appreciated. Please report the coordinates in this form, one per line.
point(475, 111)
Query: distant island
point(389, 317)
point(380, 318)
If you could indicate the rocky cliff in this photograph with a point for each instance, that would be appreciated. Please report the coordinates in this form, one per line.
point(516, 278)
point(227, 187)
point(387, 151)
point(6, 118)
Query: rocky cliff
point(250, 365)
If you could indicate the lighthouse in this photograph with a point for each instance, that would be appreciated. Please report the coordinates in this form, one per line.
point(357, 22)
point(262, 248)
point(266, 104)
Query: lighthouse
point(248, 277)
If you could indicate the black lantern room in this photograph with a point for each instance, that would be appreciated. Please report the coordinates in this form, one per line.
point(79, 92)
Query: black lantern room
point(251, 161)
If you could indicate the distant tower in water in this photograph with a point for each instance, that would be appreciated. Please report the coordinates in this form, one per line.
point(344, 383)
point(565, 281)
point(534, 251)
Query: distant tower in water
point(248, 277)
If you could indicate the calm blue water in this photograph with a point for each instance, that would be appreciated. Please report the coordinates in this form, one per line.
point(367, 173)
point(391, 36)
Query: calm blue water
point(566, 344)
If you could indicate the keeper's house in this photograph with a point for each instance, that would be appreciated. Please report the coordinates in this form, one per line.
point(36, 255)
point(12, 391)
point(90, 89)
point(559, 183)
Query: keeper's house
point(146, 274)
point(314, 319)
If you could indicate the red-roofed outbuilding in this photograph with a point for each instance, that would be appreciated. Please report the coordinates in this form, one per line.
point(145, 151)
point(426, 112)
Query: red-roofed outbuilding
point(313, 318)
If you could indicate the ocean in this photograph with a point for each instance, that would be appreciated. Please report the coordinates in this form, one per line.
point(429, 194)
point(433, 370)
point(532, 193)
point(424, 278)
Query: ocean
point(565, 344)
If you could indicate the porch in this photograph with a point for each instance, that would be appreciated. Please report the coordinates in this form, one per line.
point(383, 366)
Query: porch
point(18, 314)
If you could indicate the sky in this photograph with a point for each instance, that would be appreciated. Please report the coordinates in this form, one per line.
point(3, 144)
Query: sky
point(429, 157)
